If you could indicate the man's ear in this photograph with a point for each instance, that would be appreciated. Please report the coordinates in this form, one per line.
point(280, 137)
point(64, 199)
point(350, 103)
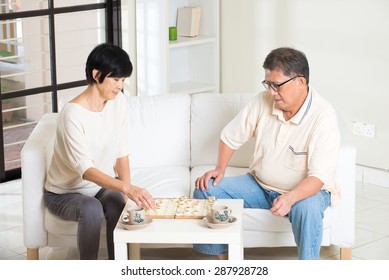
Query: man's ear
point(302, 81)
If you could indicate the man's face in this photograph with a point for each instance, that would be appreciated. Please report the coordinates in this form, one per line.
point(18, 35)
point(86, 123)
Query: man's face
point(286, 91)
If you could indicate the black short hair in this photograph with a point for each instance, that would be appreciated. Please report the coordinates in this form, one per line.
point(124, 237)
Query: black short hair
point(109, 60)
point(288, 60)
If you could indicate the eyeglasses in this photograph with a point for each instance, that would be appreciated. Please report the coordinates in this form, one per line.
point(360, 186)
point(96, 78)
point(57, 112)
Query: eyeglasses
point(276, 87)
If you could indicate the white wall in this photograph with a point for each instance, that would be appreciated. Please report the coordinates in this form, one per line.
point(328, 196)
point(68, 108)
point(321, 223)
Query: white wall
point(346, 43)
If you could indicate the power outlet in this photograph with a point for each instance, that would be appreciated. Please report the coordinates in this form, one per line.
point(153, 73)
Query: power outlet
point(364, 129)
point(369, 130)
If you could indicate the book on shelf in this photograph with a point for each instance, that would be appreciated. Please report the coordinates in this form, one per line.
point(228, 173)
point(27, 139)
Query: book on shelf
point(188, 21)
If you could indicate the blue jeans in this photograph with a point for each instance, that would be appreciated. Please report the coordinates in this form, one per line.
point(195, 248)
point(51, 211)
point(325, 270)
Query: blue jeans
point(306, 216)
point(89, 212)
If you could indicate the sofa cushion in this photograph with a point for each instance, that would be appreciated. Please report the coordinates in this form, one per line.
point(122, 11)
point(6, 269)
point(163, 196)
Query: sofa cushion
point(209, 114)
point(159, 130)
point(168, 181)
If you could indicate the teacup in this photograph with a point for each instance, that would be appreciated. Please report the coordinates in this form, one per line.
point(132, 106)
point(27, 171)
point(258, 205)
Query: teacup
point(220, 214)
point(135, 215)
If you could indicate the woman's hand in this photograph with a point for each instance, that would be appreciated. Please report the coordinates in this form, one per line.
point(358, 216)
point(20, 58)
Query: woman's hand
point(140, 196)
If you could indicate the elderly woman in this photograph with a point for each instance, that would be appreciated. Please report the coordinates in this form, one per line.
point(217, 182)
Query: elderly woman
point(89, 176)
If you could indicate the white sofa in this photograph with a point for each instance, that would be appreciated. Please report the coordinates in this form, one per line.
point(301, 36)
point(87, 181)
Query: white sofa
point(174, 139)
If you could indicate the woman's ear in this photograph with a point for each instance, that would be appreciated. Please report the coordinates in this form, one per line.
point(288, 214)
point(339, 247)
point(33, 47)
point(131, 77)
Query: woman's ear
point(95, 75)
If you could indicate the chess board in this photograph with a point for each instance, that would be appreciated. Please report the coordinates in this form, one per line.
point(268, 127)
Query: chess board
point(181, 208)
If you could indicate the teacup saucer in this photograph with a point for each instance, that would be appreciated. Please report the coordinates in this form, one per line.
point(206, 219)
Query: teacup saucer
point(209, 223)
point(129, 226)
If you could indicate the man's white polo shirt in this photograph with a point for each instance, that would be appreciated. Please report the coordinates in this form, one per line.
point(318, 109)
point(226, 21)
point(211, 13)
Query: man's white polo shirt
point(286, 152)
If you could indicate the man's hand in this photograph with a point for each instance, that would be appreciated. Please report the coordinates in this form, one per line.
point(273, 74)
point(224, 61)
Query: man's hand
point(307, 187)
point(282, 205)
point(202, 182)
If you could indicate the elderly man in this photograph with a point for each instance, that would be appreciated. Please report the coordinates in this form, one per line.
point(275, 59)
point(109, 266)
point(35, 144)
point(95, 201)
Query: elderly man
point(292, 170)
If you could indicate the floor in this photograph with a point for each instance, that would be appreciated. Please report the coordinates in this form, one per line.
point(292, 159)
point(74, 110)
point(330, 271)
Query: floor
point(372, 231)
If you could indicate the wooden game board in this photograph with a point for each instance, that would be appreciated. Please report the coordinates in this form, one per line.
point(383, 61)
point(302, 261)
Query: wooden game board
point(181, 208)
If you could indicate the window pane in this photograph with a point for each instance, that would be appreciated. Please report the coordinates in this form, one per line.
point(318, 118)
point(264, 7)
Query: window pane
point(20, 116)
point(24, 56)
point(66, 3)
point(89, 29)
point(10, 6)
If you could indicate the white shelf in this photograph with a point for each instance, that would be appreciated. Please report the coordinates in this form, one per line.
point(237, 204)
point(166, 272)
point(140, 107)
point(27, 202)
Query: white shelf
point(187, 41)
point(187, 65)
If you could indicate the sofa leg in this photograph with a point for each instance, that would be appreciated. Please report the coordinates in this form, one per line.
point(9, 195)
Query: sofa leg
point(345, 253)
point(32, 254)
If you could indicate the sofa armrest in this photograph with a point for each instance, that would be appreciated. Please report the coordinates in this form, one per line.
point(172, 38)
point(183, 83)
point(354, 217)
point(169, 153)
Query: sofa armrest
point(343, 213)
point(35, 157)
point(343, 224)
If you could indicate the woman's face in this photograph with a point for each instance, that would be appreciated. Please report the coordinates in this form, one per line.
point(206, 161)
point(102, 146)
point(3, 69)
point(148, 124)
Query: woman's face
point(110, 87)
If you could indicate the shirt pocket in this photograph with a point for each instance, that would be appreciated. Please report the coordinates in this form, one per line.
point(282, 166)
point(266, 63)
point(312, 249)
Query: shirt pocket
point(296, 159)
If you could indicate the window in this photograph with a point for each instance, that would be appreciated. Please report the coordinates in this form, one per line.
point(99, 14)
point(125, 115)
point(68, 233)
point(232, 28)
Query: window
point(43, 48)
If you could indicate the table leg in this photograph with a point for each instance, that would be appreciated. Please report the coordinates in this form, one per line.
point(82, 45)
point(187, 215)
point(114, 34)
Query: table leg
point(134, 249)
point(120, 251)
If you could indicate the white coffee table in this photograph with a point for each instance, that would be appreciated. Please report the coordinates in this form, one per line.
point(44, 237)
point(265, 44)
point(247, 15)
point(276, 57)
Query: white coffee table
point(184, 231)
